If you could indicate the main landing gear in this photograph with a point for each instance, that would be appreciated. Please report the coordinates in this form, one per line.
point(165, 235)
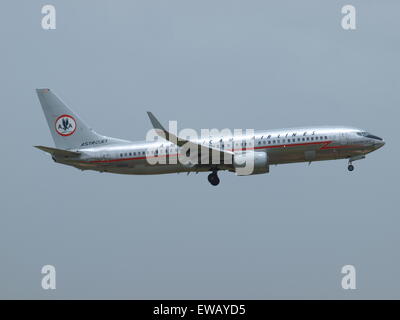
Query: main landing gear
point(213, 178)
point(350, 167)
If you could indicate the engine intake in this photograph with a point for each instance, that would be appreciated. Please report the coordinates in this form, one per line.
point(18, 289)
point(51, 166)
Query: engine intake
point(251, 162)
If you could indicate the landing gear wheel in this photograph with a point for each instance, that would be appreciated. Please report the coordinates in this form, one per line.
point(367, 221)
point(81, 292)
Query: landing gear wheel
point(213, 179)
point(350, 167)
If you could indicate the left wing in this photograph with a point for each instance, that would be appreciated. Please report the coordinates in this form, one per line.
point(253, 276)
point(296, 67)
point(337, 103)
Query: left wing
point(162, 132)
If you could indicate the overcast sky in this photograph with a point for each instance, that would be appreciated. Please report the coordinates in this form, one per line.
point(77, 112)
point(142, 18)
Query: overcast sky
point(208, 64)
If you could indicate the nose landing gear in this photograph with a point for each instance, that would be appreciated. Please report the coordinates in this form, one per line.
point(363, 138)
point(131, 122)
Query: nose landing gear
point(350, 167)
point(213, 178)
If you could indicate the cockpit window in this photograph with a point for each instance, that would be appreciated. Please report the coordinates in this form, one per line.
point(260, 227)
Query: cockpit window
point(368, 135)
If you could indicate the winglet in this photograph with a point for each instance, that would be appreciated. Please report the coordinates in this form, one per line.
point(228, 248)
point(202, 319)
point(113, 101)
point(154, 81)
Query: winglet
point(156, 124)
point(158, 127)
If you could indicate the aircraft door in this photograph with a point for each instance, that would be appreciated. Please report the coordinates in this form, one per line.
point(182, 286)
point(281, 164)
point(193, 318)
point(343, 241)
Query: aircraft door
point(343, 141)
point(343, 138)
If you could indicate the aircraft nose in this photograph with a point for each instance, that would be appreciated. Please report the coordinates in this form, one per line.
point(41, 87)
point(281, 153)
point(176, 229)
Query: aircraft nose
point(380, 143)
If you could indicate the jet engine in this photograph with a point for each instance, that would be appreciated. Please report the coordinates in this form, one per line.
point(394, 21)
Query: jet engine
point(250, 162)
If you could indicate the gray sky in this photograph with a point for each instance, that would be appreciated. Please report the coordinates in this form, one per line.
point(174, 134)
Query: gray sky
point(223, 64)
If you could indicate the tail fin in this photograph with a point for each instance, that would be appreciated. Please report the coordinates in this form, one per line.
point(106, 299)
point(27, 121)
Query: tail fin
point(67, 129)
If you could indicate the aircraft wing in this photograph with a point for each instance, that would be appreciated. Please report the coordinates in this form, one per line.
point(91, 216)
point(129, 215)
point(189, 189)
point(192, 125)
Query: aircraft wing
point(59, 152)
point(161, 131)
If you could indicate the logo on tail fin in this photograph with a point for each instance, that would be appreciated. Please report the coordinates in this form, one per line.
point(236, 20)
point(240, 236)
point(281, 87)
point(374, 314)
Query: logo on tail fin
point(65, 125)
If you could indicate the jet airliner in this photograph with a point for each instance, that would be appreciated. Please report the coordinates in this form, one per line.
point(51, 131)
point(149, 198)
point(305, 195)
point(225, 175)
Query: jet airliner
point(77, 145)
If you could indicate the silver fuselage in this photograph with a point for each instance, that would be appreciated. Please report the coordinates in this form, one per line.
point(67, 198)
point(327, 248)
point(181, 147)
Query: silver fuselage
point(305, 144)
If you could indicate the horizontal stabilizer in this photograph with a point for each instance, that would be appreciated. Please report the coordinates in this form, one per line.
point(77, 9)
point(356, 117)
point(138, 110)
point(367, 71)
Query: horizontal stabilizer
point(59, 152)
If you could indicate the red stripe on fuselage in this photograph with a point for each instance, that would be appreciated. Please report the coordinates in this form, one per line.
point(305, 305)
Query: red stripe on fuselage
point(323, 147)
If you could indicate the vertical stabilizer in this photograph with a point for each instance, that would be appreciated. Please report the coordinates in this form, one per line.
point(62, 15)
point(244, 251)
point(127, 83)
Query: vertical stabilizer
point(66, 127)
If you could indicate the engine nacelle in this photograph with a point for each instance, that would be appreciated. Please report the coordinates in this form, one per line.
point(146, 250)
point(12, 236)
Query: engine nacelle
point(251, 162)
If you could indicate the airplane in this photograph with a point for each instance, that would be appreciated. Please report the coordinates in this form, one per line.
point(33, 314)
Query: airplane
point(77, 145)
